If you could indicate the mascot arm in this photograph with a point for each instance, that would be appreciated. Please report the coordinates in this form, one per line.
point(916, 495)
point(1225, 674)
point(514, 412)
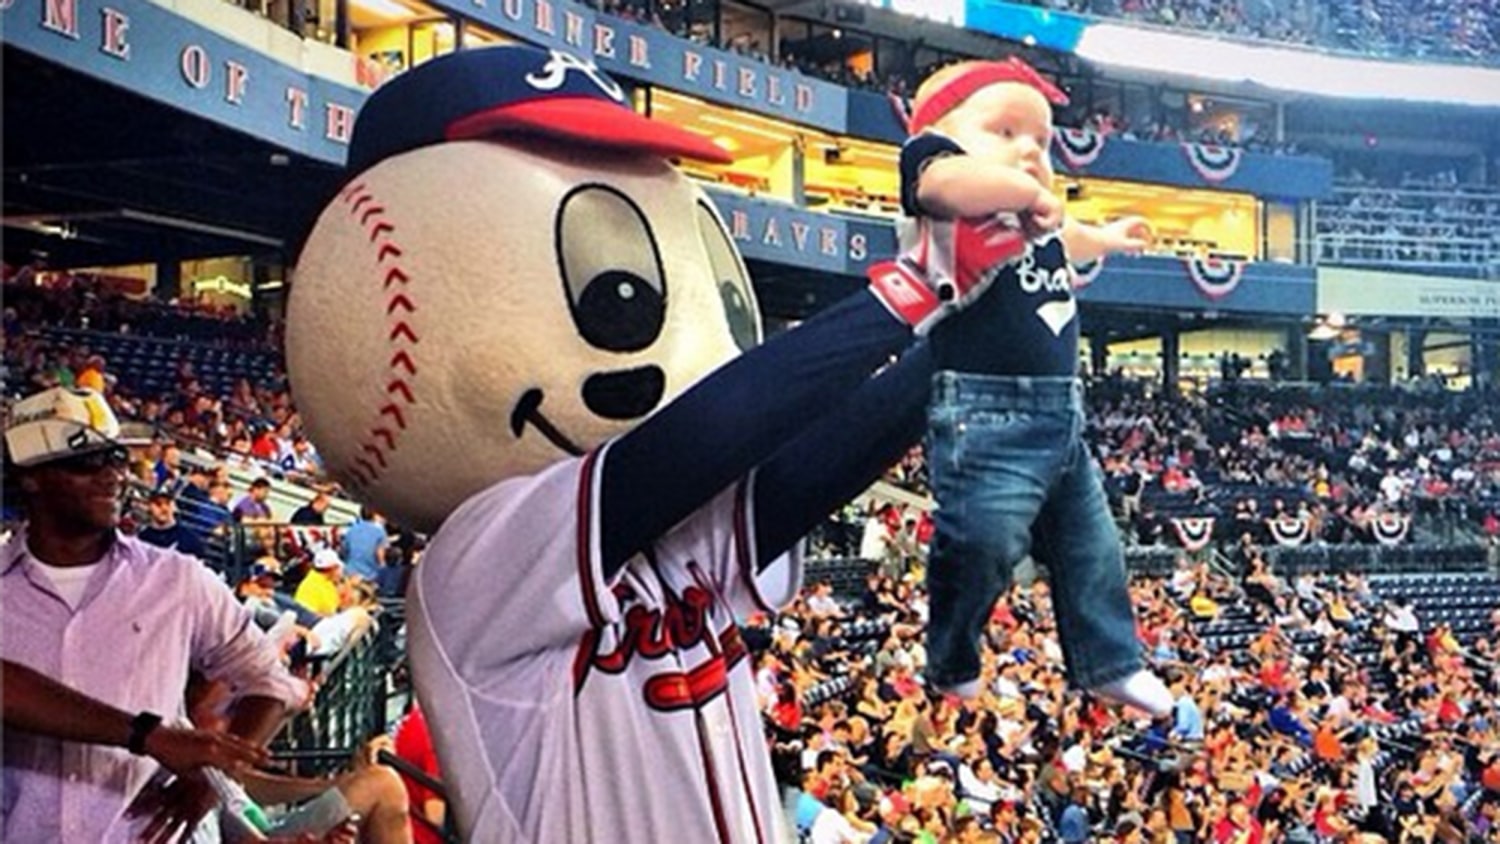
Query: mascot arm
point(840, 455)
point(735, 419)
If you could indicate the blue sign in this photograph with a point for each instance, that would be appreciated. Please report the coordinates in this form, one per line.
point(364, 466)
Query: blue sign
point(873, 116)
point(1028, 24)
point(1288, 177)
point(1193, 284)
point(648, 54)
point(147, 49)
point(782, 233)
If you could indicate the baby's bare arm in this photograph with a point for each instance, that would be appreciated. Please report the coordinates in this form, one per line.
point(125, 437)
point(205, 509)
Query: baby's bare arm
point(962, 186)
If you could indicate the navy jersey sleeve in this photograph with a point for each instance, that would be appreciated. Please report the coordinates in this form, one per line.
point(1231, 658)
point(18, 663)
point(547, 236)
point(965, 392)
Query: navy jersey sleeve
point(916, 154)
point(841, 454)
point(738, 416)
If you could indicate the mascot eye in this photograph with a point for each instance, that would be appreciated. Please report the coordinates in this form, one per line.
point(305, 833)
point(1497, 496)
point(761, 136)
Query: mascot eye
point(611, 269)
point(740, 309)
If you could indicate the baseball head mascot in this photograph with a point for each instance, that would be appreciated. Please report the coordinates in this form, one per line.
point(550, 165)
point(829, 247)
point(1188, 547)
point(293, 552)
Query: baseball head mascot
point(518, 325)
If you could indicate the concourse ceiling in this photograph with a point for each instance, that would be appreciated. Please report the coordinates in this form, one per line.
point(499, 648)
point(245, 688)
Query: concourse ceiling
point(96, 175)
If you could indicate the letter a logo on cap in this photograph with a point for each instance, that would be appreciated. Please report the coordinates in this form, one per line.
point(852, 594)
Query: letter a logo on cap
point(555, 72)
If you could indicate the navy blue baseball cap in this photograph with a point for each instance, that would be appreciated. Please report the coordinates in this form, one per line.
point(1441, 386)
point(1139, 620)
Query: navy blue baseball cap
point(515, 88)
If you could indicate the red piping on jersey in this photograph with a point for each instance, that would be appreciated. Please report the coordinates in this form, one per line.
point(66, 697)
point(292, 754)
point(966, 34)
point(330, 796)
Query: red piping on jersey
point(733, 650)
point(747, 560)
point(585, 522)
point(583, 658)
point(720, 824)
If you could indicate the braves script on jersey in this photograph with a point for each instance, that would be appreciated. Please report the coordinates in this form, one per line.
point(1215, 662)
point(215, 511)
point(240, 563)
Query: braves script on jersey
point(568, 709)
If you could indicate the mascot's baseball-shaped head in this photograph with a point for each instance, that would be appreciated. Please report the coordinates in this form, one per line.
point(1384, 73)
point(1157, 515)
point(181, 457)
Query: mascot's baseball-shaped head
point(514, 274)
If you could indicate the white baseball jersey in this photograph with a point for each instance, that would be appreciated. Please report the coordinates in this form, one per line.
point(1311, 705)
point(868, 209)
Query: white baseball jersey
point(568, 708)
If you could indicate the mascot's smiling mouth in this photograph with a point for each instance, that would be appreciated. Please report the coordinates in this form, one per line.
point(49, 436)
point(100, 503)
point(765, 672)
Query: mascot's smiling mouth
point(529, 410)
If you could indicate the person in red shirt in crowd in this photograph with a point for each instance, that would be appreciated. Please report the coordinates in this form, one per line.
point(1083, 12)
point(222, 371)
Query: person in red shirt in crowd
point(414, 745)
point(1490, 776)
point(1273, 676)
point(1238, 827)
point(891, 515)
point(1449, 712)
point(924, 527)
point(1328, 815)
point(1003, 616)
point(264, 445)
point(1097, 718)
point(1146, 633)
point(787, 711)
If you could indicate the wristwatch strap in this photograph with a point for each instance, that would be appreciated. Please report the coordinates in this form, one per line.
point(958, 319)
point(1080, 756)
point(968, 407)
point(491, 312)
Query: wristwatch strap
point(140, 727)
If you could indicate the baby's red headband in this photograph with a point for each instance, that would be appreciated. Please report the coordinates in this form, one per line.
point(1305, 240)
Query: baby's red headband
point(981, 75)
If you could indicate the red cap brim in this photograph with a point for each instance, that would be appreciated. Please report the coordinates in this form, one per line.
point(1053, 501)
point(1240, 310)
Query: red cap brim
point(590, 121)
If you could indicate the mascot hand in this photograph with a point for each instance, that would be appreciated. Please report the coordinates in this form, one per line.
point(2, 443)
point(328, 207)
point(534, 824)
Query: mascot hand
point(901, 287)
point(922, 299)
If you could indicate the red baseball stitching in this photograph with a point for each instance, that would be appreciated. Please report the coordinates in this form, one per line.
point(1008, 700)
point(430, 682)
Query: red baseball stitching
point(372, 448)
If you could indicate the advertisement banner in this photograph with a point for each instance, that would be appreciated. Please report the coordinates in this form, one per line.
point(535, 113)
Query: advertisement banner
point(1349, 291)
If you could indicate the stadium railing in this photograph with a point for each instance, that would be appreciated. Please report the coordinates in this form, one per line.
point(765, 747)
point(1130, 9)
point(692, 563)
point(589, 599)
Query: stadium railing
point(349, 707)
point(407, 769)
point(1376, 559)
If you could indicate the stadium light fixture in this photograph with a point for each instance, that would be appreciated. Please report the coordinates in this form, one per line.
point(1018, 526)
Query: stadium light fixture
point(383, 8)
point(742, 126)
point(1328, 327)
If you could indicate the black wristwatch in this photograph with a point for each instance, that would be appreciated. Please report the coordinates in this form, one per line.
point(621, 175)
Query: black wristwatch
point(140, 727)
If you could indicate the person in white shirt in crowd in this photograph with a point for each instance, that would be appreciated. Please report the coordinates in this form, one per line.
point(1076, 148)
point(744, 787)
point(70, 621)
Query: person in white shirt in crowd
point(872, 537)
point(979, 785)
point(833, 825)
point(1392, 488)
point(822, 603)
point(1401, 619)
point(119, 621)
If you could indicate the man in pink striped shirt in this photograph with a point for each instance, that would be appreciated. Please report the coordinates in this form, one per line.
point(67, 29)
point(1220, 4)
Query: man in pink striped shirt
point(118, 620)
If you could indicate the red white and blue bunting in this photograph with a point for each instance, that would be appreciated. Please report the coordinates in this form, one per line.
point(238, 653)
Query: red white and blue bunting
point(1211, 161)
point(1390, 528)
point(1078, 147)
point(1084, 274)
point(1194, 532)
point(1214, 277)
point(1290, 530)
point(308, 539)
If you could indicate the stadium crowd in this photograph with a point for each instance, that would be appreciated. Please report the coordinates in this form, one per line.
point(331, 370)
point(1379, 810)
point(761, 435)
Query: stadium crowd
point(1339, 456)
point(1467, 30)
point(1343, 717)
point(1451, 30)
point(1281, 738)
point(1436, 219)
point(1363, 728)
point(250, 423)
